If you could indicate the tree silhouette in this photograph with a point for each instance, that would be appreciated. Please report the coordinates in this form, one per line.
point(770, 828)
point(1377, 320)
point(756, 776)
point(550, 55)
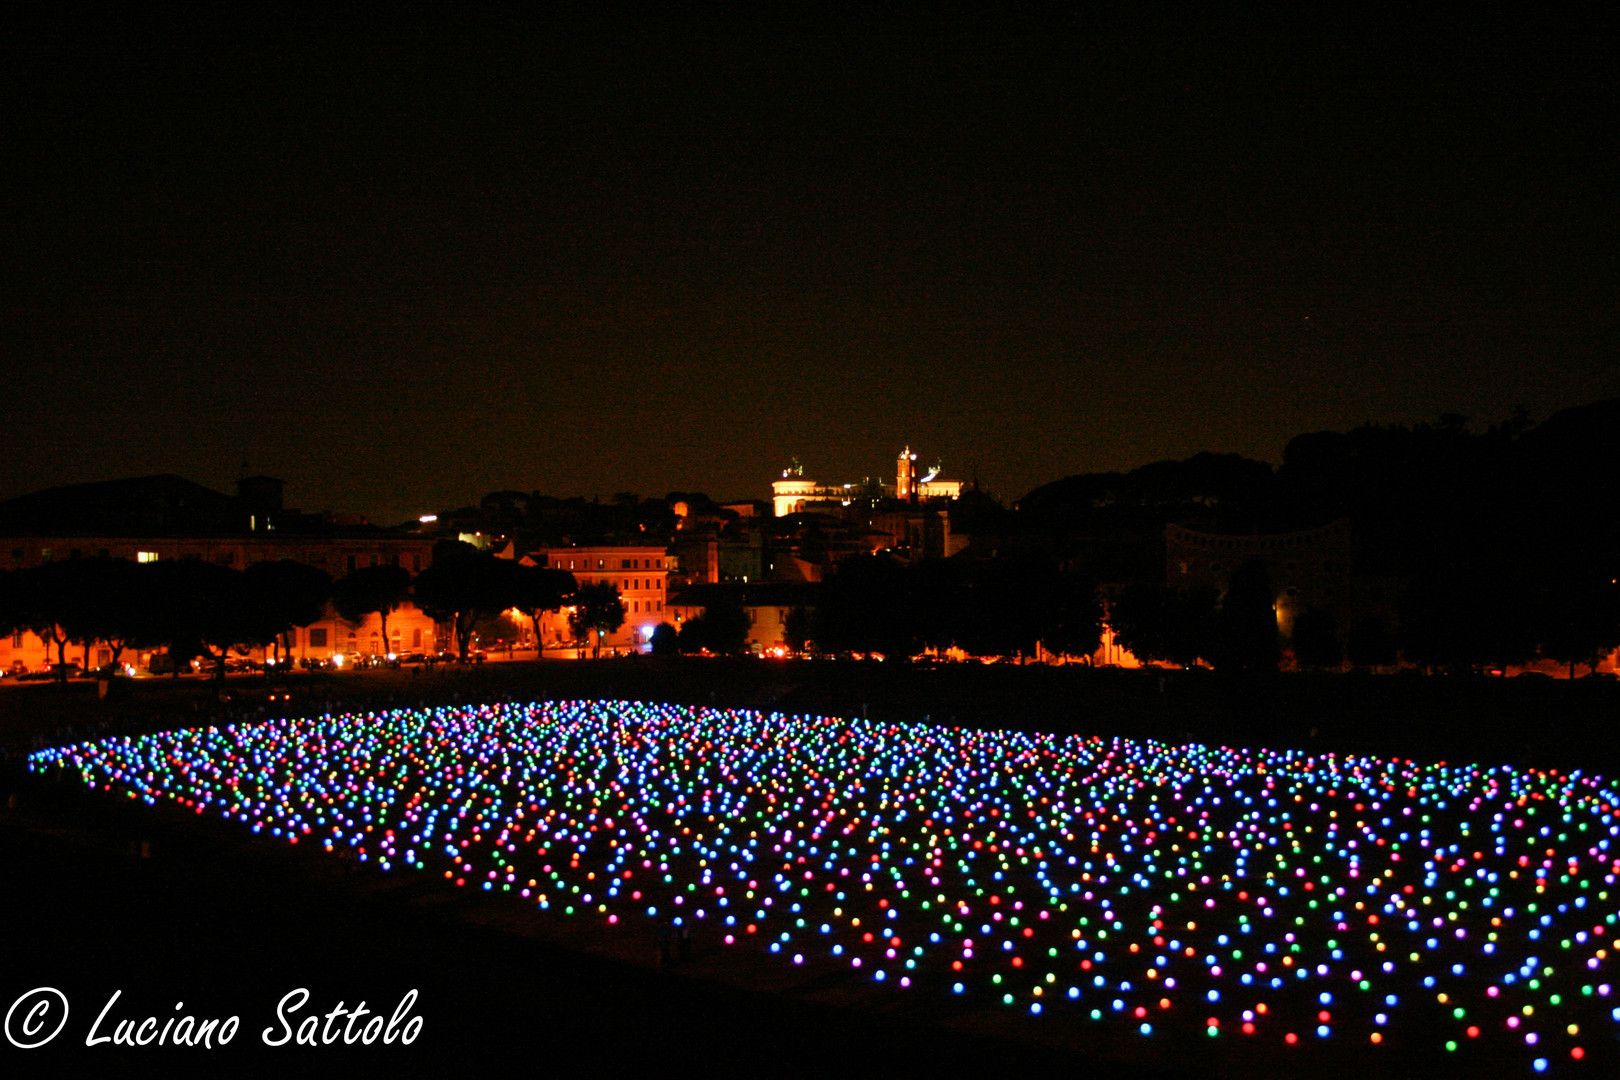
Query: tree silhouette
point(201, 610)
point(665, 640)
point(1316, 640)
point(1372, 643)
point(867, 606)
point(1580, 620)
point(464, 586)
point(598, 608)
point(54, 601)
point(379, 589)
point(1247, 636)
point(10, 608)
point(728, 627)
point(992, 607)
point(1156, 622)
point(1464, 616)
point(79, 601)
point(282, 595)
point(119, 595)
point(722, 629)
point(541, 589)
point(796, 631)
point(1071, 623)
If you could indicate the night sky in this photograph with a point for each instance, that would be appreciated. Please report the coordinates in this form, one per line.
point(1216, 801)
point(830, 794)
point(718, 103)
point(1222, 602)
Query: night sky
point(402, 264)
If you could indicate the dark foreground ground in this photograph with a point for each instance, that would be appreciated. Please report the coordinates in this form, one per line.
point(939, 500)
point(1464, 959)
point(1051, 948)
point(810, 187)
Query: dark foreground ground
point(228, 926)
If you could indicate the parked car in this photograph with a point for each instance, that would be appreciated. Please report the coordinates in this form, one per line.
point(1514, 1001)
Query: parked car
point(69, 670)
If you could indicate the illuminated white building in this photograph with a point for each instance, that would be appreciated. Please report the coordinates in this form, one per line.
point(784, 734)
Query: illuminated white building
point(793, 494)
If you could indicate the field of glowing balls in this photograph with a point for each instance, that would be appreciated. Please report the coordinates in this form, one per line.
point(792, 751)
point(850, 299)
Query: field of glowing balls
point(1145, 890)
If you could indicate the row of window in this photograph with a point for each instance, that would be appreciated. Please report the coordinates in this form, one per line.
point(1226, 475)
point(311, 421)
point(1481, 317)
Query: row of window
point(627, 585)
point(567, 562)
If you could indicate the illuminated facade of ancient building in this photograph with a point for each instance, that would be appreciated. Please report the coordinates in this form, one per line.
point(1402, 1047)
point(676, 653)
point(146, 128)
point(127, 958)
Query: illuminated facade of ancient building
point(1308, 570)
point(793, 494)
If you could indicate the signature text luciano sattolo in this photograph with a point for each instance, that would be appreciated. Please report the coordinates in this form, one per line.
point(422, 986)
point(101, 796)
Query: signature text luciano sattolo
point(341, 1024)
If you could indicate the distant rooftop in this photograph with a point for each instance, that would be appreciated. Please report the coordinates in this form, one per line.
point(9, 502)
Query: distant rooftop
point(162, 505)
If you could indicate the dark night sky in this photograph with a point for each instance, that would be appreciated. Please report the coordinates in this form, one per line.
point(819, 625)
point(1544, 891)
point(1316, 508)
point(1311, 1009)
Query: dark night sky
point(403, 264)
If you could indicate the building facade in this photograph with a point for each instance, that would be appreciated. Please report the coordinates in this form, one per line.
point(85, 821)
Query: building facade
point(409, 630)
point(164, 518)
point(1308, 570)
point(768, 606)
point(641, 574)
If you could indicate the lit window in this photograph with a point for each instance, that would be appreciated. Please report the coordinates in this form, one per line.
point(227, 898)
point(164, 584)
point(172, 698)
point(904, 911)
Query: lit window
point(146, 556)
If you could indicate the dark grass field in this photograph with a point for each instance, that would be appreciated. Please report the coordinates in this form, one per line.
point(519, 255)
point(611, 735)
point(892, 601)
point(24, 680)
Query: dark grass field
point(228, 925)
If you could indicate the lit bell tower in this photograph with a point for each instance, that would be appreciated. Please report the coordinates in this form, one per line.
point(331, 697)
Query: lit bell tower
point(905, 476)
